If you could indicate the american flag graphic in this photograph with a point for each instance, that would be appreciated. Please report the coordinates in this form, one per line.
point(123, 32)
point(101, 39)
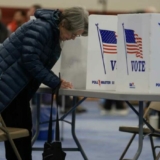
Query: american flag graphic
point(133, 43)
point(109, 41)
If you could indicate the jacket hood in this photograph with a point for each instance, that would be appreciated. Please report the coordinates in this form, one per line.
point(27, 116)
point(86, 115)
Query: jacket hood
point(52, 16)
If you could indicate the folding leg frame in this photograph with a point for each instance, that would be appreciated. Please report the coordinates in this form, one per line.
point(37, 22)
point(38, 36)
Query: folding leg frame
point(72, 110)
point(130, 142)
point(141, 135)
point(152, 147)
point(127, 147)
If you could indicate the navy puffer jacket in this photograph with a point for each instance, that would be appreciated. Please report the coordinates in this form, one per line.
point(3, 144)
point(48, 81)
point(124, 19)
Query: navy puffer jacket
point(27, 56)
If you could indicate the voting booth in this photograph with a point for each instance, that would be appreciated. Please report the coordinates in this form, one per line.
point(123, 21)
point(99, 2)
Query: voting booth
point(121, 53)
point(138, 59)
point(74, 62)
point(102, 53)
point(90, 63)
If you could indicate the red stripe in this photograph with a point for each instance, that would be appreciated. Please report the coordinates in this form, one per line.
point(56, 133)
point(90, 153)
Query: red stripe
point(131, 52)
point(106, 52)
point(137, 38)
point(112, 49)
point(139, 56)
point(132, 48)
point(131, 45)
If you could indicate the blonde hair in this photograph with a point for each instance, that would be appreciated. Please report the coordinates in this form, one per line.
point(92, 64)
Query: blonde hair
point(75, 18)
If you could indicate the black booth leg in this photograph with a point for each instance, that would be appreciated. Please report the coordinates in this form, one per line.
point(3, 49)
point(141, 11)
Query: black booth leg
point(73, 131)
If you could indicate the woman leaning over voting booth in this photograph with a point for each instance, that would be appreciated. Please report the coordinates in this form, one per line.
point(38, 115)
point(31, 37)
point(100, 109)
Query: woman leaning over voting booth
point(26, 59)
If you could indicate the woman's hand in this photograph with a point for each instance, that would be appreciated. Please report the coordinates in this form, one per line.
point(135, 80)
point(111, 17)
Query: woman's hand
point(66, 85)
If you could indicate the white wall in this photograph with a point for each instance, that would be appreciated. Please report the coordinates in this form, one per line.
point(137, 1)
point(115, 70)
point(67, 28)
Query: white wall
point(112, 5)
point(132, 4)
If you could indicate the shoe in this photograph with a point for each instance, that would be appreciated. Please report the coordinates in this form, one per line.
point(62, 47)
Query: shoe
point(114, 112)
point(120, 112)
point(80, 109)
point(105, 112)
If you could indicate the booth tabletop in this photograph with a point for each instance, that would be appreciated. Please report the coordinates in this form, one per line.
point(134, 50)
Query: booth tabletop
point(104, 94)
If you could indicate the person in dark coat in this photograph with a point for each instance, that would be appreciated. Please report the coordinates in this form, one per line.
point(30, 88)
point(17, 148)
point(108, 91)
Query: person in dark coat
point(4, 33)
point(32, 9)
point(26, 59)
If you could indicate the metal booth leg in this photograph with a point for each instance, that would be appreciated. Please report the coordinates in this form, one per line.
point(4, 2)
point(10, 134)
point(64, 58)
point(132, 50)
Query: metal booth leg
point(140, 131)
point(73, 131)
point(141, 120)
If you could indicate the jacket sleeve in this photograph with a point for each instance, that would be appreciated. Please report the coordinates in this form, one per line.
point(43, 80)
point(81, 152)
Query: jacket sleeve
point(34, 41)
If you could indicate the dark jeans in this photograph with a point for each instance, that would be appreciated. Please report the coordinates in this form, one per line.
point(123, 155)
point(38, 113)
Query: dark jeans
point(18, 114)
point(118, 104)
point(68, 101)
